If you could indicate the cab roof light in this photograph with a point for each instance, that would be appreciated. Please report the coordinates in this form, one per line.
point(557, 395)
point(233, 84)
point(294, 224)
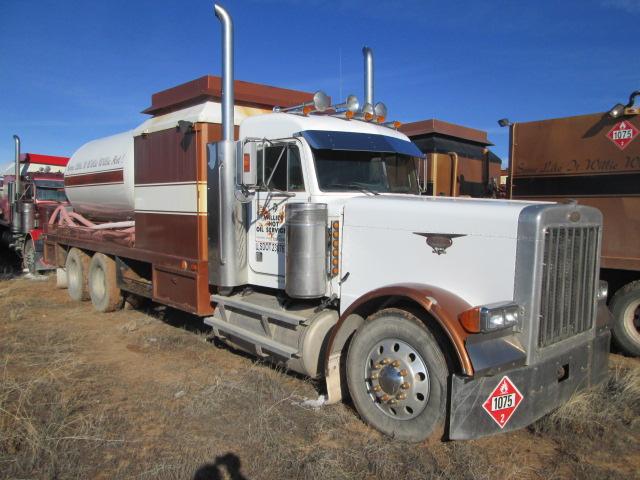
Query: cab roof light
point(367, 113)
point(320, 103)
point(394, 124)
point(380, 112)
point(348, 108)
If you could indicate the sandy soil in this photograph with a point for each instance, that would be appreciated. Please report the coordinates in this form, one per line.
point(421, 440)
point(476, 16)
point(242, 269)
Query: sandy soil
point(144, 394)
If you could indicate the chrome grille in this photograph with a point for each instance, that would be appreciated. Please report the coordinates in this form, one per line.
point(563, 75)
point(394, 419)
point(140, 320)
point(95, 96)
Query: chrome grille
point(568, 282)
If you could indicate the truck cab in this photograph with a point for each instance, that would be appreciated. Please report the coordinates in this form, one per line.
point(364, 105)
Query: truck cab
point(25, 203)
point(330, 230)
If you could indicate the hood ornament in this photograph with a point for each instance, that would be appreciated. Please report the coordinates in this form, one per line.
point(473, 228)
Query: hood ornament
point(439, 242)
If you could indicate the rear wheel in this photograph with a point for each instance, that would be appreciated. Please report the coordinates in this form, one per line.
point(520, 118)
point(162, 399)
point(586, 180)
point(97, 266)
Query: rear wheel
point(625, 308)
point(397, 376)
point(103, 286)
point(77, 267)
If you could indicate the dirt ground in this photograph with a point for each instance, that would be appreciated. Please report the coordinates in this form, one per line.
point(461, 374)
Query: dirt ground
point(145, 395)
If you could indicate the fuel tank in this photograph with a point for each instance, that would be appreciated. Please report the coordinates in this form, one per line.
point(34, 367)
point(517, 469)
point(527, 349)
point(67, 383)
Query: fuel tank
point(99, 179)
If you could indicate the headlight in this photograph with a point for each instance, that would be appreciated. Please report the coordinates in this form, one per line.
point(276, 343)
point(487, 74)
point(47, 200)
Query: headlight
point(603, 290)
point(488, 318)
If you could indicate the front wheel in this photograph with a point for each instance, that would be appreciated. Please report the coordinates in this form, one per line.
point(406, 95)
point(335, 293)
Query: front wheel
point(397, 376)
point(29, 256)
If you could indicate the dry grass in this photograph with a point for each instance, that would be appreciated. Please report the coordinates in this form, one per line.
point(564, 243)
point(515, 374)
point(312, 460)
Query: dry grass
point(144, 395)
point(598, 430)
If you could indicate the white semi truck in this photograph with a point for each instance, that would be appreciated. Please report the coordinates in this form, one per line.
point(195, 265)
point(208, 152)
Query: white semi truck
point(299, 235)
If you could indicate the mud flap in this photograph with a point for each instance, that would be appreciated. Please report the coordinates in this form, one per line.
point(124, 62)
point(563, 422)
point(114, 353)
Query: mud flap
point(41, 265)
point(544, 387)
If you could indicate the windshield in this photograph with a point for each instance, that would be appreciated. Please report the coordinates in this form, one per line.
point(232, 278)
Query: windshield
point(50, 191)
point(340, 170)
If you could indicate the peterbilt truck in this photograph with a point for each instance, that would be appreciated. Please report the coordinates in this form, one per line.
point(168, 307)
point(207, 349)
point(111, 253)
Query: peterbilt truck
point(30, 189)
point(295, 228)
point(595, 160)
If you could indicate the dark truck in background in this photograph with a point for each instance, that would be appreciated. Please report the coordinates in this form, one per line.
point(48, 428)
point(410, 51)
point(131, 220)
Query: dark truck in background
point(594, 160)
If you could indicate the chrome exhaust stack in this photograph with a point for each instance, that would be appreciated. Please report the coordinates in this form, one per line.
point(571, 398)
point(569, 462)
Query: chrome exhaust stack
point(18, 182)
point(227, 72)
point(16, 211)
point(226, 225)
point(368, 75)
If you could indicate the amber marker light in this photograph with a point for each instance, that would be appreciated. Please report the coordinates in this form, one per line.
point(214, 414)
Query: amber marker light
point(334, 271)
point(470, 320)
point(336, 243)
point(335, 234)
point(335, 224)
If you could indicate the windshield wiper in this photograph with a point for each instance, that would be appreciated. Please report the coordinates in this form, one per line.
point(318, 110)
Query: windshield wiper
point(357, 186)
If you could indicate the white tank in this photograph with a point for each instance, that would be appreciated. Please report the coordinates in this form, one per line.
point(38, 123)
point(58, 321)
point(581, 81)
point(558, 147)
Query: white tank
point(99, 178)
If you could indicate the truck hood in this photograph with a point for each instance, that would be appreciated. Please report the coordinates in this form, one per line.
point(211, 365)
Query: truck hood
point(389, 240)
point(460, 216)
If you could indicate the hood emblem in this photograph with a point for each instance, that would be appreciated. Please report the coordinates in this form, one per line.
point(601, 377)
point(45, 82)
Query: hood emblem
point(439, 242)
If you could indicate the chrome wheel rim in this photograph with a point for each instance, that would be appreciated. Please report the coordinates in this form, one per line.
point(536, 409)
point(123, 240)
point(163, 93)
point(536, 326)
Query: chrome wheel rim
point(631, 320)
point(29, 258)
point(397, 379)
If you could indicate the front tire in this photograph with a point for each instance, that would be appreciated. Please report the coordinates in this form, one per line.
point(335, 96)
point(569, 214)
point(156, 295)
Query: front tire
point(29, 256)
point(625, 308)
point(397, 376)
point(103, 286)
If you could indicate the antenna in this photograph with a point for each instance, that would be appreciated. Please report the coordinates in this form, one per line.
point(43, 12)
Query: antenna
point(340, 71)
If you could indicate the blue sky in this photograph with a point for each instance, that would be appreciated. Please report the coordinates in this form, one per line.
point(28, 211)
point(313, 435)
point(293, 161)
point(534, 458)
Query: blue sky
point(72, 71)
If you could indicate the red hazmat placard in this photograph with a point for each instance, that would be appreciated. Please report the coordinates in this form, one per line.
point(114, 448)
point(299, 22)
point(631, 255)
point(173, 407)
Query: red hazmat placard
point(503, 401)
point(622, 134)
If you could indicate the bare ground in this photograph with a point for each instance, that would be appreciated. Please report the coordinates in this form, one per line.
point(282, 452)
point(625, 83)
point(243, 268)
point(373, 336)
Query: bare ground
point(144, 395)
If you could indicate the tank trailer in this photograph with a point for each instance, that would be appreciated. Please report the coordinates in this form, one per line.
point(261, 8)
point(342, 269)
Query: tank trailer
point(295, 227)
point(29, 191)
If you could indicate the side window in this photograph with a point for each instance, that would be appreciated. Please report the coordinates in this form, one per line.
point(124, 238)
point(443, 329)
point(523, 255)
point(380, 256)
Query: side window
point(275, 167)
point(295, 178)
point(282, 164)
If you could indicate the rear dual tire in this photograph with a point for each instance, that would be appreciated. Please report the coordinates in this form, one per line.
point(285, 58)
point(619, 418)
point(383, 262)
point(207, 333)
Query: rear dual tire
point(103, 286)
point(93, 278)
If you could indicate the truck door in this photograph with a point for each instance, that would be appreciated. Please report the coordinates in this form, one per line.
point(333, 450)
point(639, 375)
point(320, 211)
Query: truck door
point(281, 179)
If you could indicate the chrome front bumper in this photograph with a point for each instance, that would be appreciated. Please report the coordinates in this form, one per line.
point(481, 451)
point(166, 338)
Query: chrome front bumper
point(544, 387)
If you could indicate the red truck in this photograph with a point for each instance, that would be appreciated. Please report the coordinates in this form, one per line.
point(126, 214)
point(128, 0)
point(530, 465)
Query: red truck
point(29, 191)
